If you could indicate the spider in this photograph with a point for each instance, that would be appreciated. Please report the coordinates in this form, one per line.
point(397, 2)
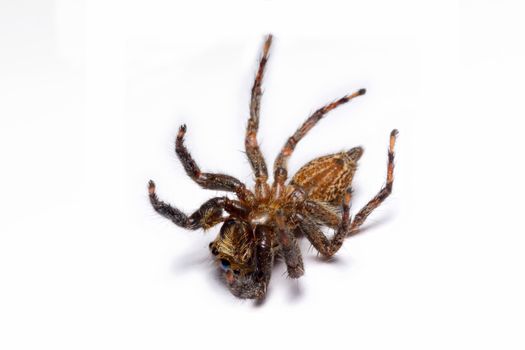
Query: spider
point(265, 223)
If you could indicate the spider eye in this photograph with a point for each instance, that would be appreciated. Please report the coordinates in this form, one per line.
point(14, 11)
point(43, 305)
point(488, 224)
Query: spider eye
point(225, 264)
point(236, 272)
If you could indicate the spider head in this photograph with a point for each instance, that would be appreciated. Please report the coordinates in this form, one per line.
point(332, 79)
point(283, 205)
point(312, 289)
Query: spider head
point(233, 250)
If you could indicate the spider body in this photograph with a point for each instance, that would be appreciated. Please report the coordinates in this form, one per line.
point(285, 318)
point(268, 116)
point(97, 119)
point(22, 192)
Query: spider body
point(266, 222)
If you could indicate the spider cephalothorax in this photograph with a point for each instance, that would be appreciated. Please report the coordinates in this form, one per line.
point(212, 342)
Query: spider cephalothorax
point(265, 222)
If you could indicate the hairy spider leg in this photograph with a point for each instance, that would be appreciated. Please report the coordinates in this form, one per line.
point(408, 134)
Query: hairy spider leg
point(263, 255)
point(290, 248)
point(328, 247)
point(220, 182)
point(280, 165)
point(208, 215)
point(319, 212)
point(385, 191)
point(253, 151)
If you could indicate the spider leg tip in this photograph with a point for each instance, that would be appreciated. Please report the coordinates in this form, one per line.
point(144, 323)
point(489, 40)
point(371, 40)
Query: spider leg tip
point(361, 92)
point(151, 187)
point(182, 131)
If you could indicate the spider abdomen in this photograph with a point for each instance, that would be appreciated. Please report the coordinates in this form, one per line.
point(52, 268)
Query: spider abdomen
point(327, 178)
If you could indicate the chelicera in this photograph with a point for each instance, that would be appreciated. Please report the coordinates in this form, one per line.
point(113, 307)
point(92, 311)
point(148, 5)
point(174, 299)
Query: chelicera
point(264, 223)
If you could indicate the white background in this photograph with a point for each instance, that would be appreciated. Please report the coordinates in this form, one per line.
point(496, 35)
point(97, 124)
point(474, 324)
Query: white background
point(92, 94)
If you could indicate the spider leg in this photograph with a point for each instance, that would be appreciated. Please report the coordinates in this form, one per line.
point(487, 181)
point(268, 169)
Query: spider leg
point(361, 216)
point(325, 246)
point(220, 182)
point(321, 213)
point(253, 151)
point(208, 215)
point(290, 248)
point(263, 257)
point(280, 165)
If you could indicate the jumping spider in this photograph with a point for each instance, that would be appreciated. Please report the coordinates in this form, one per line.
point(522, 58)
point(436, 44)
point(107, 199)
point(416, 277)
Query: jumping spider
point(265, 222)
